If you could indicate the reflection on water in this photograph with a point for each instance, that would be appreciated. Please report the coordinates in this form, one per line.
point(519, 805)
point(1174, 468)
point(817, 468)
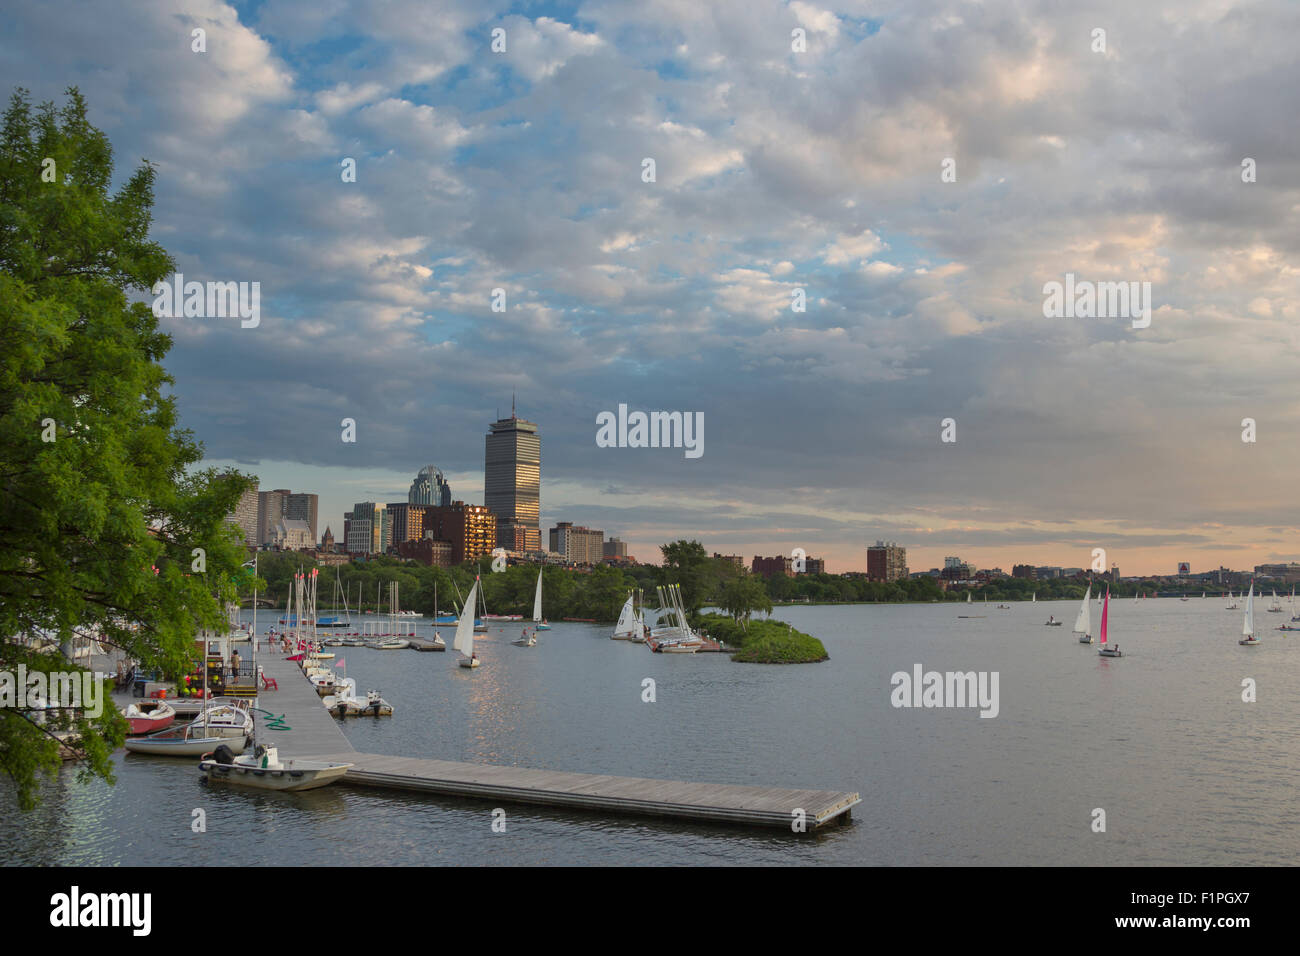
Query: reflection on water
point(1187, 772)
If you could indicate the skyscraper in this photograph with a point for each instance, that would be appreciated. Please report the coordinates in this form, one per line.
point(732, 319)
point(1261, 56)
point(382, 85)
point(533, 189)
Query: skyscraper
point(887, 561)
point(512, 482)
point(245, 516)
point(430, 488)
point(368, 529)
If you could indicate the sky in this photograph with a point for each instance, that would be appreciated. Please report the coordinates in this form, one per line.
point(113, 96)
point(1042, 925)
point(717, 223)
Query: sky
point(821, 169)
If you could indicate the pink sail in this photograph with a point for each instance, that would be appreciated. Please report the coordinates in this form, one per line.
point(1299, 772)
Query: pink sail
point(1105, 608)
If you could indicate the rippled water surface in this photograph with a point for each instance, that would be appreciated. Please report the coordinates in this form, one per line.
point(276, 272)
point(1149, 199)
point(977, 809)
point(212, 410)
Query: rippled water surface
point(1161, 740)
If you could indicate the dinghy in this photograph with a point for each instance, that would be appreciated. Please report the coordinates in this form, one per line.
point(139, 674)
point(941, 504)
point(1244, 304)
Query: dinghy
point(539, 622)
point(627, 627)
point(1083, 623)
point(464, 640)
point(149, 716)
point(1248, 625)
point(1107, 650)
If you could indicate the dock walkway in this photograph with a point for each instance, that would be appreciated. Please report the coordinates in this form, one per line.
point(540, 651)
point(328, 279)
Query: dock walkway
point(316, 736)
point(312, 727)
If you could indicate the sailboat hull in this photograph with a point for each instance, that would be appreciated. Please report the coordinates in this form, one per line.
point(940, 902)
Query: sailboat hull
point(468, 662)
point(1109, 652)
point(1086, 639)
point(1248, 642)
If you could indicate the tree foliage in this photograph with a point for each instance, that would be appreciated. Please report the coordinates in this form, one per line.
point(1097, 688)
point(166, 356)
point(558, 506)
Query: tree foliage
point(100, 508)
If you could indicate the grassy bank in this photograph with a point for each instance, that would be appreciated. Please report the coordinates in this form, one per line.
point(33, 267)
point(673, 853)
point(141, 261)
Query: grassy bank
point(765, 642)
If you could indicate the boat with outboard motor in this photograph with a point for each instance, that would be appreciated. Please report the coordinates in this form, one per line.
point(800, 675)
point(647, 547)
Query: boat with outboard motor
point(264, 770)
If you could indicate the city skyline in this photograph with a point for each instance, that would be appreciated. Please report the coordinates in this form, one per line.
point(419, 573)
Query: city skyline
point(646, 550)
point(914, 213)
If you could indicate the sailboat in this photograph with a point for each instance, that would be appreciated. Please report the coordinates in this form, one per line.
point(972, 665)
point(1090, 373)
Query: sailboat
point(967, 597)
point(539, 622)
point(437, 643)
point(1105, 650)
point(480, 624)
point(1248, 625)
point(1232, 603)
point(627, 625)
point(464, 640)
point(1083, 623)
point(1276, 606)
point(1034, 599)
point(526, 639)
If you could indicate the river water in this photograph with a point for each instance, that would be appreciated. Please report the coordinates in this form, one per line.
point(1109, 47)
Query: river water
point(1186, 772)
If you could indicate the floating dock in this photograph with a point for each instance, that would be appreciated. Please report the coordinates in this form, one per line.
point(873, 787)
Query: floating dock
point(315, 735)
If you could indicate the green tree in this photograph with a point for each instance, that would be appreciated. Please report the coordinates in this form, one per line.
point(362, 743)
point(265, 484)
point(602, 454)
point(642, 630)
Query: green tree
point(686, 564)
point(742, 596)
point(101, 511)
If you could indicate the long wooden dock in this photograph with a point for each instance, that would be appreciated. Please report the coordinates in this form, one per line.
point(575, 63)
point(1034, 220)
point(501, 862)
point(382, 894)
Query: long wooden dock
point(315, 735)
point(696, 802)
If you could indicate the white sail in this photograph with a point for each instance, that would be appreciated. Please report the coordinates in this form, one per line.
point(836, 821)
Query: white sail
point(1034, 600)
point(967, 597)
point(537, 601)
point(1248, 625)
point(626, 620)
point(464, 640)
point(1083, 623)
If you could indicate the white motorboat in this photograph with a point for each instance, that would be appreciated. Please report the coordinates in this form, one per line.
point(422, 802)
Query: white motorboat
point(265, 770)
point(391, 644)
point(344, 702)
point(187, 741)
point(225, 717)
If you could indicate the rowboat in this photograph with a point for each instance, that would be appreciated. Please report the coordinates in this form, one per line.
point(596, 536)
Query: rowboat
point(149, 716)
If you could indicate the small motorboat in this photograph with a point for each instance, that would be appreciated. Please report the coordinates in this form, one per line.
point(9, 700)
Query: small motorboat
point(344, 702)
point(224, 717)
point(264, 770)
point(392, 644)
point(149, 716)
